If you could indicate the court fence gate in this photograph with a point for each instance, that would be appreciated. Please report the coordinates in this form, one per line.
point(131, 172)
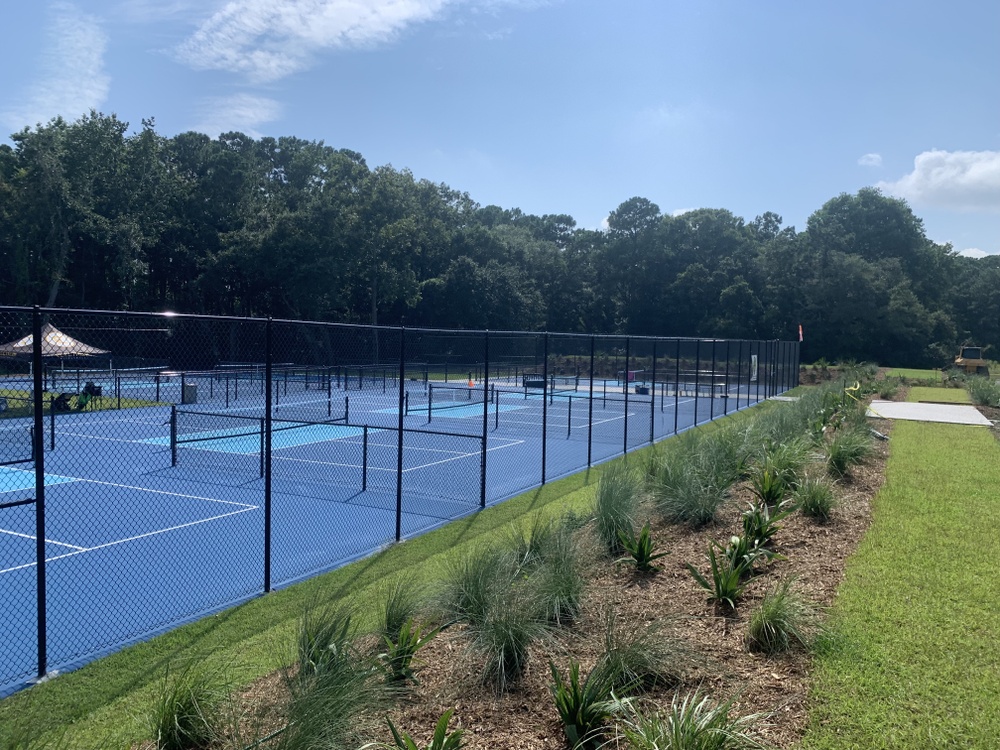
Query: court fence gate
point(156, 467)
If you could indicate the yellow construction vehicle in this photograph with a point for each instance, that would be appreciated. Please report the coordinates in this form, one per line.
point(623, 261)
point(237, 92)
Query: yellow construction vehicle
point(970, 361)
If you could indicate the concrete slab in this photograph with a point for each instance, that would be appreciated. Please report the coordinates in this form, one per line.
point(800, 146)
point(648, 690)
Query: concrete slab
point(949, 413)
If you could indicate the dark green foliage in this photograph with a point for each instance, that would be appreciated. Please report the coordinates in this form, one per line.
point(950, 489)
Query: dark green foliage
point(726, 584)
point(847, 448)
point(782, 619)
point(641, 550)
point(184, 715)
point(402, 600)
point(442, 739)
point(399, 651)
point(584, 707)
point(814, 498)
point(760, 523)
point(616, 504)
point(325, 639)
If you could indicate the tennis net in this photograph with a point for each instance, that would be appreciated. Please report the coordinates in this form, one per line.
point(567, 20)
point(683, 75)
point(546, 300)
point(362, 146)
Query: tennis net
point(16, 445)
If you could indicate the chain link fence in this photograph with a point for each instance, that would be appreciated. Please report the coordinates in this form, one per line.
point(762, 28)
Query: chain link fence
point(158, 467)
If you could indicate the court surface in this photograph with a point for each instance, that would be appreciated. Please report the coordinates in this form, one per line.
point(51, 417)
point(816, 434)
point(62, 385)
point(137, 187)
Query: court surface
point(142, 532)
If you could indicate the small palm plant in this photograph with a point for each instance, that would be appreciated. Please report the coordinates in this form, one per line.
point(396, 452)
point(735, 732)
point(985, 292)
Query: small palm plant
point(584, 707)
point(726, 584)
point(442, 739)
point(641, 550)
point(399, 653)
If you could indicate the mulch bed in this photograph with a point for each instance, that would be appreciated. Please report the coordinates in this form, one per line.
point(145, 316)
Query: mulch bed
point(721, 665)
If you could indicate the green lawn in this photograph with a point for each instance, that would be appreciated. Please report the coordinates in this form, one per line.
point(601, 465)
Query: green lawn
point(914, 663)
point(906, 372)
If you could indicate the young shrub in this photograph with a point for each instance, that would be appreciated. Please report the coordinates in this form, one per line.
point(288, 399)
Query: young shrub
point(472, 583)
point(616, 504)
point(512, 623)
point(641, 551)
point(185, 713)
point(637, 657)
point(683, 494)
point(760, 524)
point(584, 707)
point(442, 739)
point(814, 498)
point(693, 721)
point(983, 391)
point(399, 653)
point(557, 580)
point(324, 641)
point(782, 619)
point(401, 601)
point(726, 585)
point(847, 448)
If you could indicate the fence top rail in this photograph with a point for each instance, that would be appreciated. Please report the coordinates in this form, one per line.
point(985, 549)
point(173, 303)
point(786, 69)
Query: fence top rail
point(170, 316)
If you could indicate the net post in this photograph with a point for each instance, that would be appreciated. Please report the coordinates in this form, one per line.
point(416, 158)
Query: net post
point(263, 434)
point(156, 378)
point(569, 418)
point(173, 434)
point(430, 403)
point(347, 409)
point(52, 425)
point(118, 389)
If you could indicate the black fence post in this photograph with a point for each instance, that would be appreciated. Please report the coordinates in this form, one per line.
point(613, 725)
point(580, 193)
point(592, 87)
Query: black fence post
point(677, 385)
point(173, 434)
point(486, 417)
point(545, 399)
point(268, 415)
point(399, 438)
point(652, 401)
point(628, 342)
point(697, 378)
point(590, 406)
point(739, 376)
point(38, 451)
point(725, 402)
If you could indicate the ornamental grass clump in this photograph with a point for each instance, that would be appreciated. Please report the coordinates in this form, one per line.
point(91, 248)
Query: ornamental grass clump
point(847, 448)
point(400, 603)
point(783, 619)
point(640, 657)
point(983, 391)
point(815, 499)
point(616, 505)
point(185, 714)
point(693, 722)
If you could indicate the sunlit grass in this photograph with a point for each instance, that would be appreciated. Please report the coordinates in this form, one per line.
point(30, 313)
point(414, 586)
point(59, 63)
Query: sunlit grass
point(913, 636)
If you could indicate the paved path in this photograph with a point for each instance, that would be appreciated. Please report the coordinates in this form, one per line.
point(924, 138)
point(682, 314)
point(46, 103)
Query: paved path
point(921, 412)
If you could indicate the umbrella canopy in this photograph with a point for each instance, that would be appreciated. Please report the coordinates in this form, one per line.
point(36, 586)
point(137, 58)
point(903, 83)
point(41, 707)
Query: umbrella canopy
point(55, 343)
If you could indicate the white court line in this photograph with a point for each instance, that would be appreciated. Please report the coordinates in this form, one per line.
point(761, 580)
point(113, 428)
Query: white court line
point(456, 457)
point(82, 550)
point(32, 536)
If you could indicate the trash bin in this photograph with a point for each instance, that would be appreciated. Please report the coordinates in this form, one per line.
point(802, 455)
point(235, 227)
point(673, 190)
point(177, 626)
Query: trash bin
point(189, 393)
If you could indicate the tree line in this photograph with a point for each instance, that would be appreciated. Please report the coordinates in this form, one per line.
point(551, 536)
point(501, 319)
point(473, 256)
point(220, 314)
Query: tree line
point(95, 216)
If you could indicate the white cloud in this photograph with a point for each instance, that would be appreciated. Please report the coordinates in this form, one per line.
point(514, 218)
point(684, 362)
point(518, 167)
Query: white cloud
point(870, 160)
point(958, 180)
point(973, 252)
point(681, 211)
point(240, 112)
point(270, 39)
point(70, 79)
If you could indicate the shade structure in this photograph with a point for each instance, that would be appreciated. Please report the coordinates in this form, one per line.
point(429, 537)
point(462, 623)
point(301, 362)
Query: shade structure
point(55, 343)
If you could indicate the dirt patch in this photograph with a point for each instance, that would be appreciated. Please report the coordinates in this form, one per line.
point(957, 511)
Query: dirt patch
point(718, 661)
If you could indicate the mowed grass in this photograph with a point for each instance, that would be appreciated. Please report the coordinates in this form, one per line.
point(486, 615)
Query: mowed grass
point(913, 660)
point(907, 372)
point(940, 395)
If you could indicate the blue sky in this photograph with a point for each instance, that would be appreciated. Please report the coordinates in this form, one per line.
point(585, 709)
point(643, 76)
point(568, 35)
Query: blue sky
point(561, 106)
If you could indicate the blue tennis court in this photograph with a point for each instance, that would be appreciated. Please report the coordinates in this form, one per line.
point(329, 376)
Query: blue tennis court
point(156, 514)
